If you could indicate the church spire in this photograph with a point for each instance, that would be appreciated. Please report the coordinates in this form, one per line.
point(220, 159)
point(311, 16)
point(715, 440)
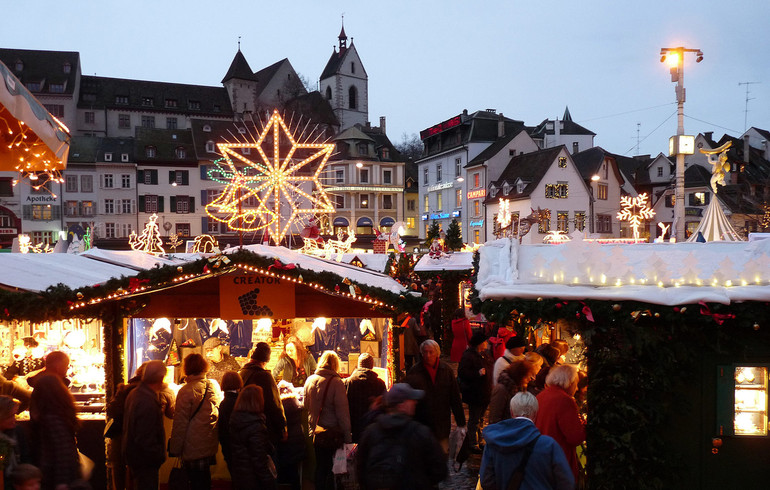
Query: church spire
point(343, 37)
point(567, 116)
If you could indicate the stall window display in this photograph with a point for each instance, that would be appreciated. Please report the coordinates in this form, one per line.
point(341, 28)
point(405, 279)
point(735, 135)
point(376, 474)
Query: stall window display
point(750, 401)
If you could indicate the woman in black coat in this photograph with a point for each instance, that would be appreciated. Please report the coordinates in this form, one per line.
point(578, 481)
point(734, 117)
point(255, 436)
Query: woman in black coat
point(251, 466)
point(231, 385)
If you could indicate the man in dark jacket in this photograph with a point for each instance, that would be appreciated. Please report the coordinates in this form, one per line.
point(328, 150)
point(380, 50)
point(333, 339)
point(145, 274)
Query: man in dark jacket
point(510, 441)
point(442, 395)
point(475, 377)
point(396, 452)
point(254, 373)
point(144, 438)
point(363, 386)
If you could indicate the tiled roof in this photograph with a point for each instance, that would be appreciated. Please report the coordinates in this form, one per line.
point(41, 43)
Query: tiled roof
point(494, 148)
point(145, 96)
point(315, 107)
point(570, 127)
point(43, 66)
point(333, 64)
point(765, 133)
point(263, 76)
point(239, 68)
point(83, 149)
point(529, 167)
point(165, 141)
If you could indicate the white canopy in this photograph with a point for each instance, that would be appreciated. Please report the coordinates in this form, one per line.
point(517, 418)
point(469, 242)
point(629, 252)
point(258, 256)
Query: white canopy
point(659, 273)
point(715, 226)
point(457, 261)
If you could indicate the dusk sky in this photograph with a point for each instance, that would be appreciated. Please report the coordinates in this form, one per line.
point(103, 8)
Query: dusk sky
point(429, 60)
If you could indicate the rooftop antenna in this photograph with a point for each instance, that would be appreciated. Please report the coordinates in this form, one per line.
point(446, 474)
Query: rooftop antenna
point(638, 127)
point(746, 111)
point(239, 43)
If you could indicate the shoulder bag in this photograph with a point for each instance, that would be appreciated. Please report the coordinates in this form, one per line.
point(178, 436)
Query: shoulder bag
point(327, 437)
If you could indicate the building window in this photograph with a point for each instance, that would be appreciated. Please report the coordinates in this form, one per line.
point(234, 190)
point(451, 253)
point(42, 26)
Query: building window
point(180, 152)
point(90, 117)
point(387, 201)
point(171, 103)
point(604, 223)
point(476, 180)
point(67, 67)
point(562, 162)
point(438, 173)
point(182, 204)
point(171, 123)
point(670, 200)
point(183, 229)
point(660, 171)
point(386, 154)
point(108, 181)
point(124, 157)
point(352, 97)
point(339, 201)
point(56, 88)
point(328, 93)
point(148, 122)
point(210, 147)
point(426, 203)
point(42, 212)
point(544, 225)
point(124, 121)
point(363, 201)
point(439, 201)
point(410, 205)
point(601, 192)
point(212, 195)
point(34, 86)
point(458, 165)
point(339, 176)
point(575, 147)
point(109, 206)
point(72, 208)
point(150, 204)
point(352, 67)
point(86, 183)
point(364, 176)
point(87, 208)
point(148, 101)
point(387, 176)
point(56, 110)
point(410, 223)
point(212, 226)
point(476, 236)
point(125, 181)
point(72, 183)
point(121, 99)
point(699, 199)
point(109, 230)
point(458, 198)
point(179, 177)
point(562, 221)
point(125, 230)
point(476, 208)
point(149, 151)
point(606, 169)
point(125, 206)
point(425, 176)
point(195, 105)
point(362, 148)
point(108, 157)
point(580, 220)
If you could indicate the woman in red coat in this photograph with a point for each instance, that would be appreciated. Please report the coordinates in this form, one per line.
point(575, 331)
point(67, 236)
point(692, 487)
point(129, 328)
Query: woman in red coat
point(461, 331)
point(558, 416)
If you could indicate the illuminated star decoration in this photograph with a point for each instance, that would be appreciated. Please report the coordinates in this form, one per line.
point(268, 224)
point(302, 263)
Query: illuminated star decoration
point(635, 209)
point(150, 240)
point(273, 181)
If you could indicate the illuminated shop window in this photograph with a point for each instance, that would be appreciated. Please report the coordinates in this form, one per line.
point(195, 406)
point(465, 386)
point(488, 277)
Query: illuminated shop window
point(750, 417)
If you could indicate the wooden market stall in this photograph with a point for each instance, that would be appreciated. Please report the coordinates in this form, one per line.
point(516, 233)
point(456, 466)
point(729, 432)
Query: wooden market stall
point(677, 348)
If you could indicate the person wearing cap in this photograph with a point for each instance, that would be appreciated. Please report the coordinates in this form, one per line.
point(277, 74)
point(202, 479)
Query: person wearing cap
point(396, 452)
point(363, 386)
point(219, 360)
point(475, 376)
point(511, 441)
point(254, 373)
point(514, 351)
point(442, 394)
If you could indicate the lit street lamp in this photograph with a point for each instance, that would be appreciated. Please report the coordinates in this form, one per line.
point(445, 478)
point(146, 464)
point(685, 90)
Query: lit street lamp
point(680, 145)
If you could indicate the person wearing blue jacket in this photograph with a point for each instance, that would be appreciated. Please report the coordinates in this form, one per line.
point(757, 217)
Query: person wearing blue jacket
point(508, 443)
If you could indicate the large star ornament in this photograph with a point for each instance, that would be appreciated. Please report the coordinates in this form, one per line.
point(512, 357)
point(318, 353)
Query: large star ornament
point(285, 188)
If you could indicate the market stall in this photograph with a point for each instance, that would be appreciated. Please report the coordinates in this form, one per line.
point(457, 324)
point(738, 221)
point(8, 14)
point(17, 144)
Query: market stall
point(677, 347)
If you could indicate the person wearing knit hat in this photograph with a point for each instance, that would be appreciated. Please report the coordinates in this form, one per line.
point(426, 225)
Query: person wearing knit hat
point(475, 376)
point(254, 372)
point(514, 351)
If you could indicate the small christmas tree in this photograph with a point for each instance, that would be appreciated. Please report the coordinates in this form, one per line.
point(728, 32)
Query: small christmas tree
point(433, 232)
point(454, 236)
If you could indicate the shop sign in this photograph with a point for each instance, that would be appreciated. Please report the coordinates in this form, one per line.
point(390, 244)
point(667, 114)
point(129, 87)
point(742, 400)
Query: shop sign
point(8, 231)
point(33, 199)
point(439, 187)
point(425, 217)
point(443, 126)
point(255, 296)
point(698, 212)
point(477, 193)
point(439, 216)
point(477, 223)
point(456, 213)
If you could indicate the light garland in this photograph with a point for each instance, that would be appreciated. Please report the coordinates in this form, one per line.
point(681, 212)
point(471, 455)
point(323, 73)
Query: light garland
point(635, 209)
point(277, 181)
point(150, 240)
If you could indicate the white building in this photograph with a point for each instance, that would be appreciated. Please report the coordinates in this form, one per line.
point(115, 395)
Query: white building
point(345, 84)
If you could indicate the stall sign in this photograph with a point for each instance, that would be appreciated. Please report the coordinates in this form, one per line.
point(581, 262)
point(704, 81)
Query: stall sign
point(255, 296)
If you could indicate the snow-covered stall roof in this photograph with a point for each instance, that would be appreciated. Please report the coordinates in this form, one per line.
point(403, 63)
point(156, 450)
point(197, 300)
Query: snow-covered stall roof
point(457, 261)
point(374, 262)
point(357, 274)
point(137, 260)
point(659, 273)
point(37, 272)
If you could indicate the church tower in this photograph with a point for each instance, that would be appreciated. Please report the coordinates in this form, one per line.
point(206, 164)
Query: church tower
point(345, 85)
point(241, 85)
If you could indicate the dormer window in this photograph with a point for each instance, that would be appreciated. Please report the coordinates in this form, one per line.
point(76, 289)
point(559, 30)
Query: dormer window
point(150, 151)
point(520, 187)
point(506, 188)
point(363, 148)
point(206, 128)
point(108, 157)
point(124, 157)
point(172, 103)
point(195, 105)
point(492, 191)
point(18, 66)
point(56, 88)
point(67, 67)
point(34, 86)
point(180, 152)
point(148, 101)
point(242, 130)
point(121, 99)
point(210, 147)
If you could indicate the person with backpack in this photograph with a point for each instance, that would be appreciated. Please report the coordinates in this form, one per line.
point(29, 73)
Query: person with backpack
point(396, 452)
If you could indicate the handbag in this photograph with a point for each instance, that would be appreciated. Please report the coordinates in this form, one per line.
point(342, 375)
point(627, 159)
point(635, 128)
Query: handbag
point(327, 437)
point(178, 478)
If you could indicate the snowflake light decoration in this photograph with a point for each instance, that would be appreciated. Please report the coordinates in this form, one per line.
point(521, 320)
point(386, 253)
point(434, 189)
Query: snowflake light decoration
point(635, 209)
point(273, 181)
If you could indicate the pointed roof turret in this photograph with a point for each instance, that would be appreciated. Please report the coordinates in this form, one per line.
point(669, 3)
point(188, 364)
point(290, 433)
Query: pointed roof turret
point(567, 116)
point(343, 39)
point(239, 68)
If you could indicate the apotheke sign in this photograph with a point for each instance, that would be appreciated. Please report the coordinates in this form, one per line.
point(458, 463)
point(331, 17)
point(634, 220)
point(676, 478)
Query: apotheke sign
point(43, 199)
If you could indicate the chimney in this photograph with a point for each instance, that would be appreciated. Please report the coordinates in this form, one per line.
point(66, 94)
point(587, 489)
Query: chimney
point(382, 124)
point(557, 130)
point(709, 135)
point(746, 148)
point(765, 149)
point(500, 125)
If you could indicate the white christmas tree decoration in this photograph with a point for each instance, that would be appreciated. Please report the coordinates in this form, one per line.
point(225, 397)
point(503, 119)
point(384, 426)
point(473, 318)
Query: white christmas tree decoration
point(150, 240)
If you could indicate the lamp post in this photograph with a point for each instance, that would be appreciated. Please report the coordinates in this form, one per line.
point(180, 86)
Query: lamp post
point(679, 146)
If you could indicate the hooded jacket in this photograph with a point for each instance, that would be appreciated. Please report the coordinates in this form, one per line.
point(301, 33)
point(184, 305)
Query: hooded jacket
point(254, 374)
point(362, 386)
point(547, 467)
point(250, 446)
